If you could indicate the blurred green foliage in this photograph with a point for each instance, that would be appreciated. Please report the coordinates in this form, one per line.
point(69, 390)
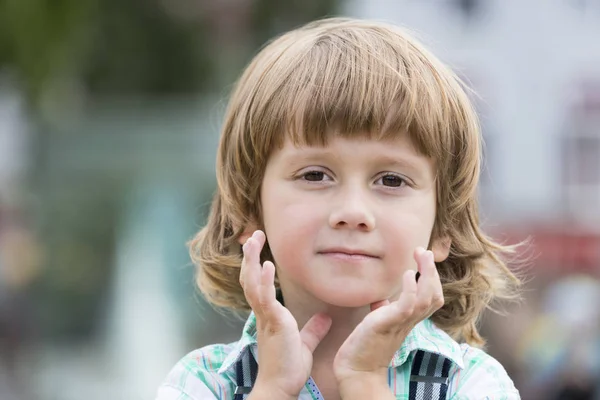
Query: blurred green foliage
point(141, 46)
point(62, 51)
point(41, 38)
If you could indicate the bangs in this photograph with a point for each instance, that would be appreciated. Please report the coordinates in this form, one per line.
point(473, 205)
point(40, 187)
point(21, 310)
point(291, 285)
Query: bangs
point(356, 82)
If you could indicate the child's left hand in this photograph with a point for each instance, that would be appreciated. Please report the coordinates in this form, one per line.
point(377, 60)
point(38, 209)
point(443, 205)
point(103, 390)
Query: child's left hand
point(366, 354)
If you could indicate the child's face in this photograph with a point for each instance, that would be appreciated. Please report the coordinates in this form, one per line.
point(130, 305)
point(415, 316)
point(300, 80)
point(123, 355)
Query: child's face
point(343, 220)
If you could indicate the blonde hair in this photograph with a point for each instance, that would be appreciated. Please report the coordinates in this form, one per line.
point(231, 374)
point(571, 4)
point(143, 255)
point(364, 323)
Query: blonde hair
point(354, 78)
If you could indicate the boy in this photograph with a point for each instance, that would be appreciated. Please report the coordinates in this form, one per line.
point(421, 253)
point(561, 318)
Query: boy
point(346, 220)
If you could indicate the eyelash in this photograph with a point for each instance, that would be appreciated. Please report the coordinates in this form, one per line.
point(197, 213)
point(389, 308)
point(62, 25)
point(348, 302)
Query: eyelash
point(403, 181)
point(313, 171)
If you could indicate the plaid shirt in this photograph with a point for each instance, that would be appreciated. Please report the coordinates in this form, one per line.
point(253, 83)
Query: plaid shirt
point(209, 373)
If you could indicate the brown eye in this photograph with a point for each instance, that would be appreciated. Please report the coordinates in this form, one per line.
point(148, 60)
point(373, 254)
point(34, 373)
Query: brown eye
point(314, 176)
point(392, 181)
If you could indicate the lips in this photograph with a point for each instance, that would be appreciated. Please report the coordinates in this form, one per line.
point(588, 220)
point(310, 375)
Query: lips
point(348, 253)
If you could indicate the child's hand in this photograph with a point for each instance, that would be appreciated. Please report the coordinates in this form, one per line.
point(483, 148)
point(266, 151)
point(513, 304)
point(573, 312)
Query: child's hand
point(284, 353)
point(366, 354)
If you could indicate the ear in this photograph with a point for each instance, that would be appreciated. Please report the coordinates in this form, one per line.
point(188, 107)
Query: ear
point(248, 231)
point(441, 248)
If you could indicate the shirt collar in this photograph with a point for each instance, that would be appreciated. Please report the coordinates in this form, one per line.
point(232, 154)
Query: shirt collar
point(246, 343)
point(425, 336)
point(428, 337)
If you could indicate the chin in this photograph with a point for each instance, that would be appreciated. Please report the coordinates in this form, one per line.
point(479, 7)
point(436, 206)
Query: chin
point(349, 297)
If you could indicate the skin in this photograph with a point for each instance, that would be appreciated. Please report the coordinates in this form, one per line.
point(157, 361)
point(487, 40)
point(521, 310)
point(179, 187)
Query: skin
point(348, 225)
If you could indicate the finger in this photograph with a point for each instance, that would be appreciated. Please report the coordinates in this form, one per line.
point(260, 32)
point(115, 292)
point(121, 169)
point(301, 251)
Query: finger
point(249, 274)
point(250, 271)
point(430, 293)
point(267, 293)
point(392, 318)
point(418, 255)
point(425, 262)
point(409, 289)
point(406, 302)
point(260, 237)
point(315, 330)
point(404, 307)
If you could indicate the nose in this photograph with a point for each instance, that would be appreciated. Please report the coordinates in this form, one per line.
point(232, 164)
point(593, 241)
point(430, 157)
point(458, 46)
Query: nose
point(352, 211)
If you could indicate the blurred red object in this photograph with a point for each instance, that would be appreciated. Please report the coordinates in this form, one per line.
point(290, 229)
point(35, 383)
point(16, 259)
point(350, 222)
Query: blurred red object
point(561, 250)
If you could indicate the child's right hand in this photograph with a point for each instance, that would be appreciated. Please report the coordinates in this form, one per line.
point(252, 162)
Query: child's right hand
point(284, 352)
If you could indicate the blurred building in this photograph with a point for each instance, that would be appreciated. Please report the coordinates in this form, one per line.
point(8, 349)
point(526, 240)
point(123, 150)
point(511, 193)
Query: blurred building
point(535, 65)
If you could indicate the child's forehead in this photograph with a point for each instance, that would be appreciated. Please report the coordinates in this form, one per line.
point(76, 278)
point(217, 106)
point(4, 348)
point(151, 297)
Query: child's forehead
point(376, 145)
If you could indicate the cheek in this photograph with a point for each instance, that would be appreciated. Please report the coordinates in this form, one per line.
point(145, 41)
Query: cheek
point(403, 234)
point(411, 230)
point(291, 228)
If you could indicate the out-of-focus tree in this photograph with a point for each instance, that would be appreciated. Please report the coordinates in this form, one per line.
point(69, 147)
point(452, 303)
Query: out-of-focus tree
point(113, 47)
point(64, 52)
point(40, 39)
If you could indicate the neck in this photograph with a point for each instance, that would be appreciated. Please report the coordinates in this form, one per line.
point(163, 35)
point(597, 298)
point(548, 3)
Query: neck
point(344, 321)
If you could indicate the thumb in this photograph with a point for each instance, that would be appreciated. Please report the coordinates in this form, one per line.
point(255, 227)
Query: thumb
point(315, 330)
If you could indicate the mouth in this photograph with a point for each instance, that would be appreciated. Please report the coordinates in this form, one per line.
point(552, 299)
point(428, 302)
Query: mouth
point(348, 254)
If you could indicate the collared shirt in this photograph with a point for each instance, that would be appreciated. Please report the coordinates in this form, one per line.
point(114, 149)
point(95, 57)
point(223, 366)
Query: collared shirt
point(209, 373)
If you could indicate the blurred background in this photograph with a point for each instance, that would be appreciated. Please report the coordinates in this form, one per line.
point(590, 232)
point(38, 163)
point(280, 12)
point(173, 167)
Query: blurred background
point(109, 119)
